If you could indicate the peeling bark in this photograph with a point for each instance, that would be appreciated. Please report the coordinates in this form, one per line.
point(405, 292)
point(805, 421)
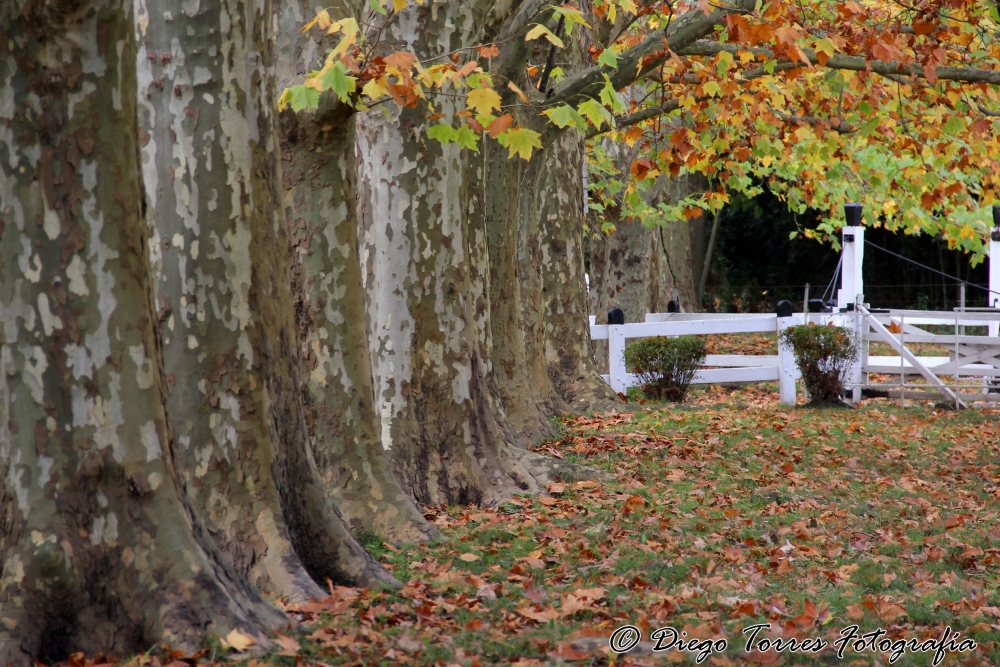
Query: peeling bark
point(422, 265)
point(223, 291)
point(492, 203)
point(99, 547)
point(559, 207)
point(318, 152)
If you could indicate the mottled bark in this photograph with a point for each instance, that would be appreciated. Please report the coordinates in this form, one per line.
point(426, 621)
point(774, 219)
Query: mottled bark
point(682, 245)
point(99, 548)
point(318, 152)
point(422, 264)
point(330, 313)
point(530, 244)
point(641, 269)
point(493, 203)
point(559, 207)
point(220, 257)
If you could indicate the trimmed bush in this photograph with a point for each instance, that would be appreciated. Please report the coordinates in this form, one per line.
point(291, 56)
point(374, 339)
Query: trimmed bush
point(665, 366)
point(824, 355)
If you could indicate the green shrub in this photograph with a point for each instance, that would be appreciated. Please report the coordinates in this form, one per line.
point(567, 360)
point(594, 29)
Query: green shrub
point(665, 366)
point(824, 355)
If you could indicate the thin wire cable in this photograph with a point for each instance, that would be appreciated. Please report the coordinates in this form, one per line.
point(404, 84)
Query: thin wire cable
point(836, 272)
point(931, 269)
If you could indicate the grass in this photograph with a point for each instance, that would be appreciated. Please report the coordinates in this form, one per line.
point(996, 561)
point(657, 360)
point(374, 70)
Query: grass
point(726, 512)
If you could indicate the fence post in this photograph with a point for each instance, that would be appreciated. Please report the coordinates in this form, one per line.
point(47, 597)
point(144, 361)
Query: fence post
point(616, 358)
point(786, 366)
point(994, 294)
point(853, 242)
point(786, 358)
point(856, 369)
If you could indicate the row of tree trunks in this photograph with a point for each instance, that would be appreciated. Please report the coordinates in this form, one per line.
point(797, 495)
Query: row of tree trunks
point(429, 347)
point(99, 547)
point(185, 401)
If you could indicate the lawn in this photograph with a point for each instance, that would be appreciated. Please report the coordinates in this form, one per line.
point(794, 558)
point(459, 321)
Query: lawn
point(725, 513)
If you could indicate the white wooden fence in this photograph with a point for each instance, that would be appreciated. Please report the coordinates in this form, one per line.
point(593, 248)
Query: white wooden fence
point(970, 356)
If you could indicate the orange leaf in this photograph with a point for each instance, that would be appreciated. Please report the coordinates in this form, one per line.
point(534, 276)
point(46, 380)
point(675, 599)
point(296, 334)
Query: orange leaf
point(400, 59)
point(490, 51)
point(500, 125)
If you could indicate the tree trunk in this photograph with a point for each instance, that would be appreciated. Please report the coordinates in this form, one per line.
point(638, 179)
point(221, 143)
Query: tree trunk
point(531, 245)
point(682, 246)
point(641, 269)
point(318, 151)
point(223, 291)
point(99, 547)
point(423, 268)
point(493, 202)
point(559, 206)
point(330, 312)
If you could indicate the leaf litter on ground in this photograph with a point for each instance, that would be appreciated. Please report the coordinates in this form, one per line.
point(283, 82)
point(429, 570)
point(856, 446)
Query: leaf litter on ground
point(727, 512)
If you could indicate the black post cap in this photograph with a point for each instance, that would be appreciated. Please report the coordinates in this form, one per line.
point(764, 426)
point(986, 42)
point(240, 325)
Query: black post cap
point(852, 213)
point(785, 308)
point(616, 316)
point(996, 215)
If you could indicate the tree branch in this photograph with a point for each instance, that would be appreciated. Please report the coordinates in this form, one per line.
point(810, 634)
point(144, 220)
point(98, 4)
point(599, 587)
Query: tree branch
point(647, 55)
point(854, 63)
point(826, 123)
point(514, 53)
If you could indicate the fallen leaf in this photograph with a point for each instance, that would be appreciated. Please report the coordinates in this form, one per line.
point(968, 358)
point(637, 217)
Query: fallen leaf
point(238, 641)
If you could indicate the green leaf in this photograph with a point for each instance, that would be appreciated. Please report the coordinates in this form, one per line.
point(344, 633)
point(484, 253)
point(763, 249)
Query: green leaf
point(610, 96)
point(954, 125)
point(302, 96)
point(572, 15)
point(566, 115)
point(443, 133)
point(466, 138)
point(336, 79)
point(608, 58)
point(596, 113)
point(520, 141)
point(711, 88)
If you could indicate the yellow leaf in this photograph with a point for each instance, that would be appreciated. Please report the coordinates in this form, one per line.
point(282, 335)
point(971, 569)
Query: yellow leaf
point(286, 96)
point(398, 5)
point(238, 641)
point(483, 100)
point(347, 42)
point(539, 31)
point(469, 558)
point(376, 88)
point(322, 18)
point(347, 26)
